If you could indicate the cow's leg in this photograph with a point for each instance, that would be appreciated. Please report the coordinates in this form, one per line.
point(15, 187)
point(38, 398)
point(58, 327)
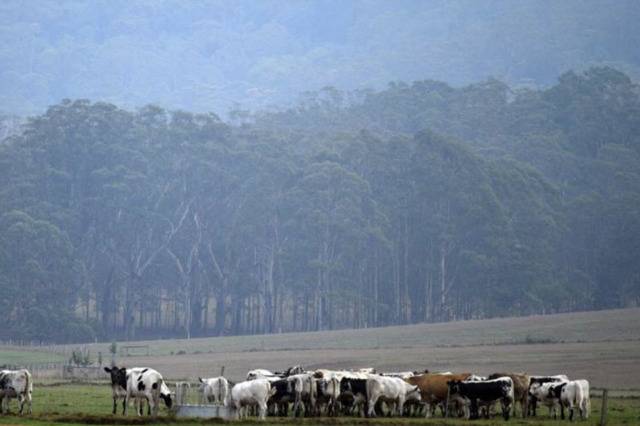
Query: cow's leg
point(115, 403)
point(263, 410)
point(400, 408)
point(371, 412)
point(154, 404)
point(125, 405)
point(506, 409)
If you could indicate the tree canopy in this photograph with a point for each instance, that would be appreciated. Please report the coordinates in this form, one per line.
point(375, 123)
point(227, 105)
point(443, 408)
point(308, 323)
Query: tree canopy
point(420, 202)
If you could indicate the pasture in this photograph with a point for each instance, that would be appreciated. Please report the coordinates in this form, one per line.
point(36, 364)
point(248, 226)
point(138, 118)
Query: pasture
point(603, 346)
point(72, 404)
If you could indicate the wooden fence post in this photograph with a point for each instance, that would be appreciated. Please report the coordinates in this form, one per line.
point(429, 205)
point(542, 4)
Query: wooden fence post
point(603, 412)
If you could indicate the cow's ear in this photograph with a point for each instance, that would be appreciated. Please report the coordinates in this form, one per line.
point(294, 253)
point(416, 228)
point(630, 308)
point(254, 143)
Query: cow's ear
point(200, 379)
point(107, 369)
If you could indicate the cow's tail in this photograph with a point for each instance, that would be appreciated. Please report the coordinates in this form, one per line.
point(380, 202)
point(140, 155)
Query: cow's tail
point(28, 383)
point(577, 396)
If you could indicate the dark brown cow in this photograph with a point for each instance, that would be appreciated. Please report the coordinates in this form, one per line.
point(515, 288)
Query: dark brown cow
point(521, 383)
point(434, 388)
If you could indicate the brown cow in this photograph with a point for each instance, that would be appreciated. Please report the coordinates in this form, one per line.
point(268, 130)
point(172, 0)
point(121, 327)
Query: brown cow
point(521, 383)
point(434, 389)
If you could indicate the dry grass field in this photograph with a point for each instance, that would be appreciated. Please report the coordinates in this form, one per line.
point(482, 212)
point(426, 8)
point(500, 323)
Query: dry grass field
point(602, 346)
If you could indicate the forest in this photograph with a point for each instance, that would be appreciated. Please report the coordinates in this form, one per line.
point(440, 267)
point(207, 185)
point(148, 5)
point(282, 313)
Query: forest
point(219, 55)
point(421, 202)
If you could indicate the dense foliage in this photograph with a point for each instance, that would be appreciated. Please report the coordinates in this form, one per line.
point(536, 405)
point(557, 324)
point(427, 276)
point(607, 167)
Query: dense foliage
point(421, 202)
point(213, 55)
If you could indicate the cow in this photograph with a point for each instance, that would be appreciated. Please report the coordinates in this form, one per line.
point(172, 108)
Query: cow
point(575, 395)
point(281, 397)
point(328, 394)
point(521, 384)
point(546, 394)
point(261, 373)
point(214, 390)
point(391, 390)
point(399, 374)
point(15, 384)
point(118, 385)
point(146, 384)
point(433, 388)
point(353, 394)
point(292, 371)
point(476, 378)
point(487, 392)
point(304, 389)
point(538, 380)
point(252, 393)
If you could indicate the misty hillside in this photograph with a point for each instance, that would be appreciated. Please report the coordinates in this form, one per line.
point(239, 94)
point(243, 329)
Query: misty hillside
point(222, 55)
point(421, 202)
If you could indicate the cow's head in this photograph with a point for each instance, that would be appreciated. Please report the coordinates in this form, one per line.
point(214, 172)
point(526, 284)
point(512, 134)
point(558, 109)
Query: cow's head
point(296, 369)
point(118, 376)
point(167, 399)
point(414, 393)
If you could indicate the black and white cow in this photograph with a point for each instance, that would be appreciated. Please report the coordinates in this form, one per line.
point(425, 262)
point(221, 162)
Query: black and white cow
point(328, 394)
point(305, 391)
point(118, 385)
point(353, 395)
point(483, 393)
point(545, 394)
point(139, 384)
point(15, 384)
point(282, 395)
point(535, 381)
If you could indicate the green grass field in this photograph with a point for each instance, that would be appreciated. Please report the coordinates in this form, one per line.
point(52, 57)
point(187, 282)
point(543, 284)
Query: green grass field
point(23, 356)
point(91, 404)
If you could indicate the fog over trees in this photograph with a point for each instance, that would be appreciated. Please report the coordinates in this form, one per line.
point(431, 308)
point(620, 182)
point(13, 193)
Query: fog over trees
point(421, 200)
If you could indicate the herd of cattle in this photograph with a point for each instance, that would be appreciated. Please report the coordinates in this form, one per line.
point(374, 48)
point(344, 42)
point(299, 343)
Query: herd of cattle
point(324, 392)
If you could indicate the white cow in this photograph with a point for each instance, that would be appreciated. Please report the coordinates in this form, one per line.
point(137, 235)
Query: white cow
point(400, 374)
point(214, 390)
point(15, 384)
point(391, 390)
point(252, 393)
point(575, 395)
point(261, 373)
point(147, 383)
